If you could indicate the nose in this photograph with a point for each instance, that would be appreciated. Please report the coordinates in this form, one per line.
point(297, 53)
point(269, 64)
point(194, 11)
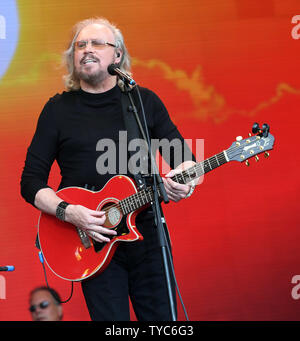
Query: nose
point(38, 310)
point(87, 49)
point(88, 45)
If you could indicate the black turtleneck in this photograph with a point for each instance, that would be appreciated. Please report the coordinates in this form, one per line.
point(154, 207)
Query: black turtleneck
point(69, 128)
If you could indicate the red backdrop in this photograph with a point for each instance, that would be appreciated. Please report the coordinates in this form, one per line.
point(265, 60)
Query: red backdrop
point(218, 66)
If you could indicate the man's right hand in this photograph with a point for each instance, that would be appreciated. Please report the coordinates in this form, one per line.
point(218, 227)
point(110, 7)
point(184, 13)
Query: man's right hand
point(89, 221)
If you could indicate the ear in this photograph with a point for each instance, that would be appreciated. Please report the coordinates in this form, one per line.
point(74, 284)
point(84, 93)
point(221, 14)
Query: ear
point(118, 56)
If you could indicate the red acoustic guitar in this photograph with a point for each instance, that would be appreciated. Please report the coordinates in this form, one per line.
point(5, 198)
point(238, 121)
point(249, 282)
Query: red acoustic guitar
point(72, 255)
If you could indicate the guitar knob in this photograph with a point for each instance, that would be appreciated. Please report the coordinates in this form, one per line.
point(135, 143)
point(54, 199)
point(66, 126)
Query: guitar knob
point(239, 138)
point(247, 163)
point(266, 155)
point(256, 158)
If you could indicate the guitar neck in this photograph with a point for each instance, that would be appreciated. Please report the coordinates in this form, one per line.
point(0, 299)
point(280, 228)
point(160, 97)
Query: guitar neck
point(146, 196)
point(201, 168)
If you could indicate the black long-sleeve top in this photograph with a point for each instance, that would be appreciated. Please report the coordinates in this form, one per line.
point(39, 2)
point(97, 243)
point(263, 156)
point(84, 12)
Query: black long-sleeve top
point(69, 128)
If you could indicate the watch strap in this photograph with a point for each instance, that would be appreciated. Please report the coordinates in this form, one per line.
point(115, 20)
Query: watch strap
point(60, 210)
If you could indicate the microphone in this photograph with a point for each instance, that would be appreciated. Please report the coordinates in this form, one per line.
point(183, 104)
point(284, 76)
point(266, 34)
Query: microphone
point(7, 268)
point(113, 69)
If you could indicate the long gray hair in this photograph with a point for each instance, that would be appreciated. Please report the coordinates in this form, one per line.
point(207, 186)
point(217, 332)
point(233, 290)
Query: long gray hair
point(71, 80)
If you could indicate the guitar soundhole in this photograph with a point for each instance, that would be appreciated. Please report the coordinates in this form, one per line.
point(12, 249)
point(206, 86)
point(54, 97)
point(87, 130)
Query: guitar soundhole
point(114, 220)
point(113, 216)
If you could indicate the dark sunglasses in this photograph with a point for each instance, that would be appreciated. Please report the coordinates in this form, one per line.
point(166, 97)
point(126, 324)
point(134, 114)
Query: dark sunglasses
point(42, 305)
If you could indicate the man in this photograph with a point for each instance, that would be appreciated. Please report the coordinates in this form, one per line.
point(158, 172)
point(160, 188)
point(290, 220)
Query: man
point(68, 130)
point(45, 305)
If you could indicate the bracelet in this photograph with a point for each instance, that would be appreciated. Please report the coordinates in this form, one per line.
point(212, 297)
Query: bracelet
point(61, 210)
point(190, 192)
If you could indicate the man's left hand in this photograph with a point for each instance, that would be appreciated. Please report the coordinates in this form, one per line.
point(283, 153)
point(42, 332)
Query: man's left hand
point(175, 190)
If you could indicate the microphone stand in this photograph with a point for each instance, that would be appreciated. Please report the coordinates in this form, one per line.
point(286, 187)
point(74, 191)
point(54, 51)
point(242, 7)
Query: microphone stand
point(157, 184)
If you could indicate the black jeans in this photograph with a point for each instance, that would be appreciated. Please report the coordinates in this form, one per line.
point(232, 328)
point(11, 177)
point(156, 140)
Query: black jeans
point(136, 270)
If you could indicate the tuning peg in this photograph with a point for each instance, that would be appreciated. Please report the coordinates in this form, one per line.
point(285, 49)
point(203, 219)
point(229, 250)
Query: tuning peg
point(239, 138)
point(247, 163)
point(266, 155)
point(256, 158)
point(263, 131)
point(249, 135)
point(255, 128)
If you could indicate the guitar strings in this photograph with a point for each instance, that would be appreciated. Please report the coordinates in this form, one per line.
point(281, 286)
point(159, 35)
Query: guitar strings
point(129, 200)
point(200, 166)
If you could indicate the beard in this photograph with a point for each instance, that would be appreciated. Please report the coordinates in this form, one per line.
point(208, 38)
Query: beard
point(92, 79)
point(85, 74)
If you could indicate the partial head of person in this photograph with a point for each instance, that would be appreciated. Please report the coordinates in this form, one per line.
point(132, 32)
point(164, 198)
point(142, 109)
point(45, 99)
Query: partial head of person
point(45, 305)
point(95, 44)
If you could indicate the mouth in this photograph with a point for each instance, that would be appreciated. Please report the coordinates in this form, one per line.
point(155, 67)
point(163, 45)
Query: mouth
point(41, 318)
point(88, 60)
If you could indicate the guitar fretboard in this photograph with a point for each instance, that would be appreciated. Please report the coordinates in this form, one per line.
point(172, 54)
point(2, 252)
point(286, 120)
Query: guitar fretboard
point(200, 168)
point(137, 200)
point(146, 196)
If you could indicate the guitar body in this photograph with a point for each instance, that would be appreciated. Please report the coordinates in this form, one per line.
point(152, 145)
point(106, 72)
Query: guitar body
point(61, 245)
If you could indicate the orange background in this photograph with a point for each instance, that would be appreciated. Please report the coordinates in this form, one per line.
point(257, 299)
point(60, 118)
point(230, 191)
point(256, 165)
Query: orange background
point(218, 66)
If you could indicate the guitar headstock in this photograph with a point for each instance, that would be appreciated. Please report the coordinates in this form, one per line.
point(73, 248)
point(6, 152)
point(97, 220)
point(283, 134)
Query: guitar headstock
point(243, 149)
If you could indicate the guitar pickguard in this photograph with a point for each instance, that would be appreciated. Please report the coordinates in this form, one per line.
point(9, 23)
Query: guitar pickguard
point(121, 230)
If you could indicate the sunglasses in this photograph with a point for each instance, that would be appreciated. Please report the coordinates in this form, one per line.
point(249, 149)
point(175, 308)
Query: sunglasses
point(42, 305)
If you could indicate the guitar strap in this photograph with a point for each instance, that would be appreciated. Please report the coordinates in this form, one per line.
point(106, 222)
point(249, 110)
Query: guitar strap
point(133, 132)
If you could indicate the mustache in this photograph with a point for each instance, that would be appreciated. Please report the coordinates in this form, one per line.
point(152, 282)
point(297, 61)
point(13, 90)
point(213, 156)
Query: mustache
point(89, 56)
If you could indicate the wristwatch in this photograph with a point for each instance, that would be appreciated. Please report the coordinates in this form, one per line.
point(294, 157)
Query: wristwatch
point(61, 210)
